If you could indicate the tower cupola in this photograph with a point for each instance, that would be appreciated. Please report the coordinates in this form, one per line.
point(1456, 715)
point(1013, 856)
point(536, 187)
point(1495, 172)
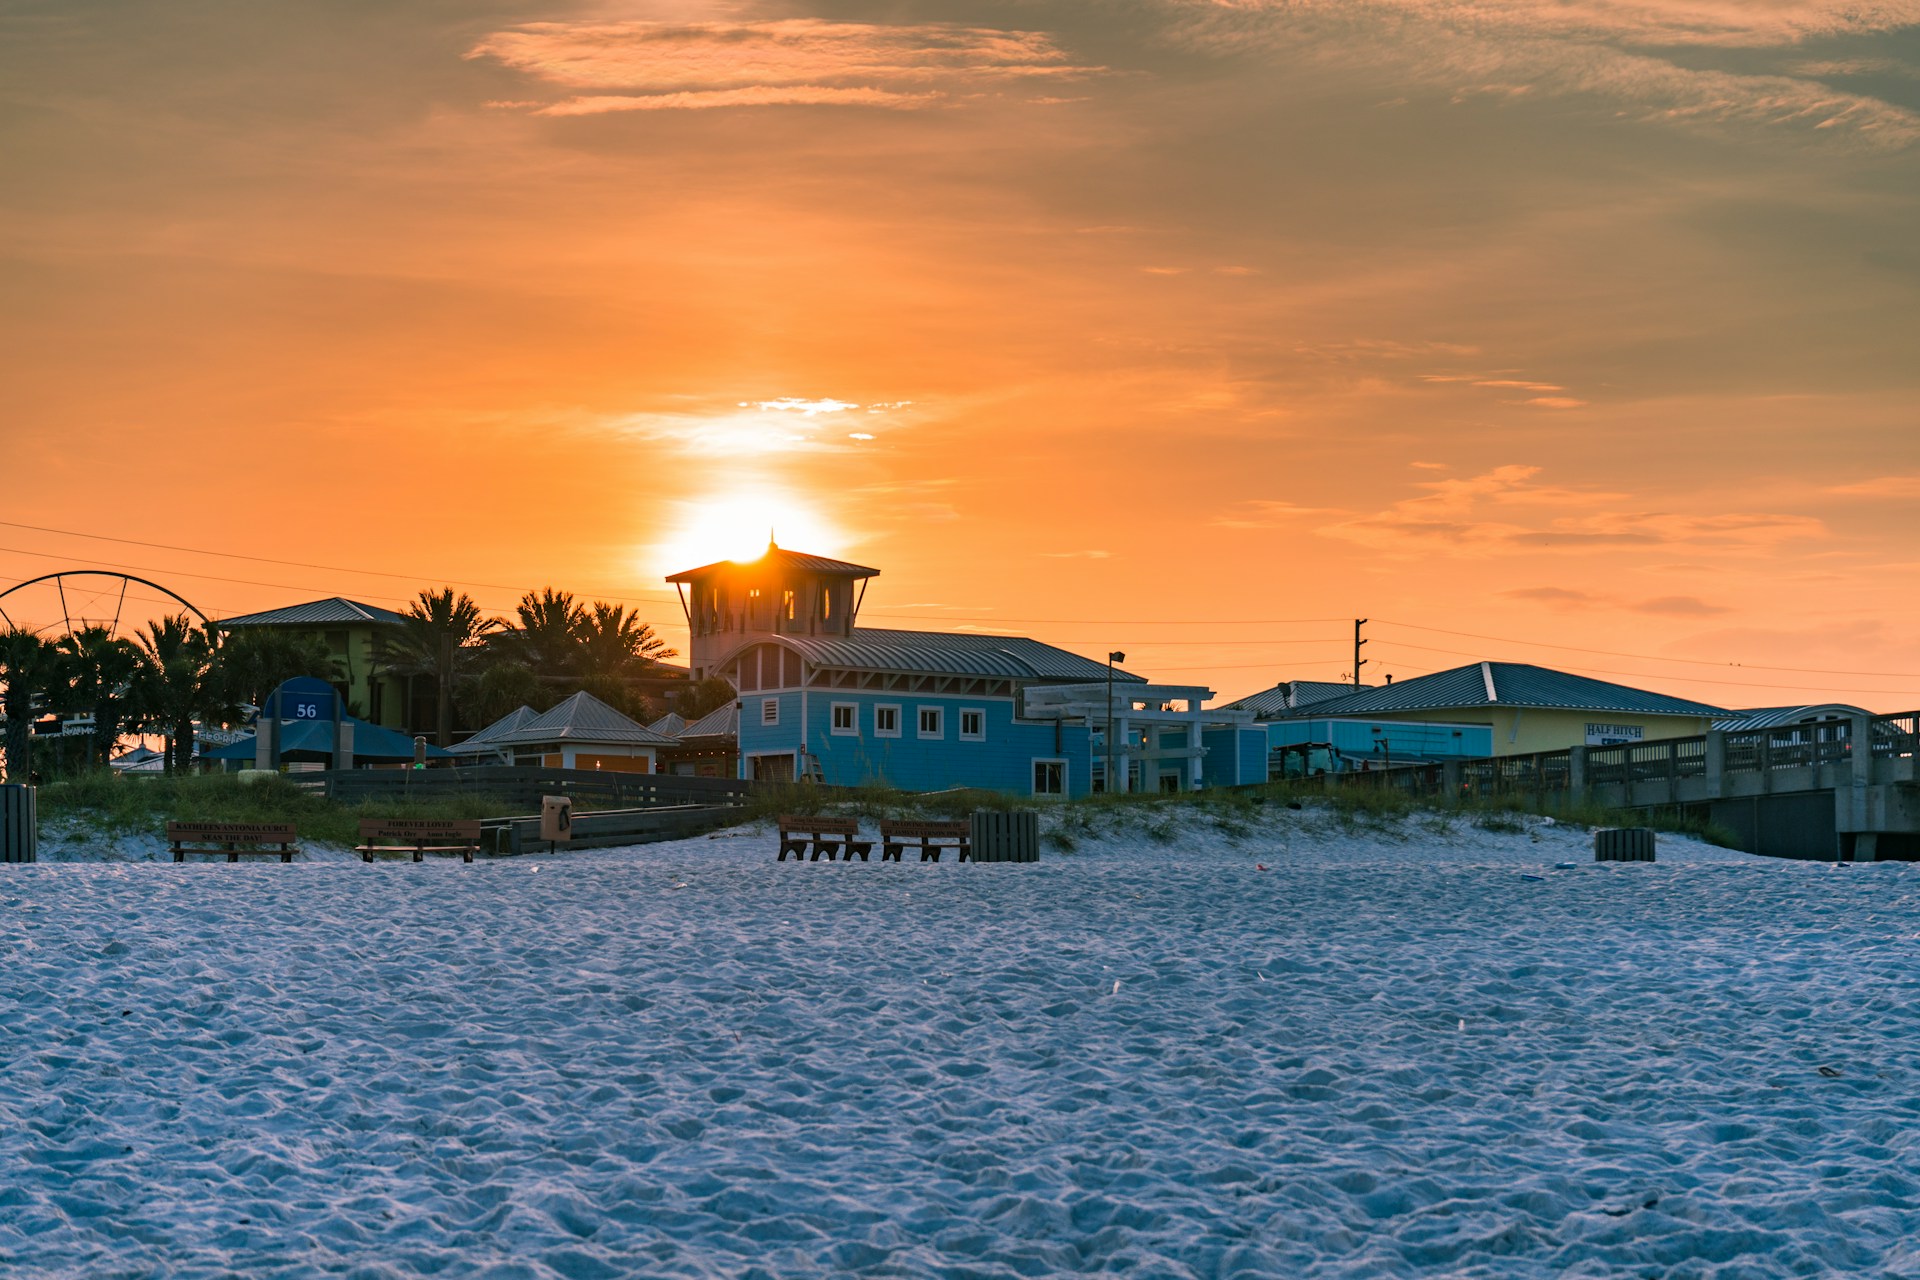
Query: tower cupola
point(731, 602)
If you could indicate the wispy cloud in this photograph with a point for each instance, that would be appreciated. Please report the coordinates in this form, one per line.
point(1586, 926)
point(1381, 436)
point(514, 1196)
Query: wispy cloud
point(1568, 599)
point(1614, 50)
point(1557, 597)
point(668, 66)
point(805, 408)
point(812, 95)
point(790, 424)
point(1573, 599)
point(1679, 607)
point(1506, 511)
point(1267, 515)
point(1547, 395)
point(1880, 487)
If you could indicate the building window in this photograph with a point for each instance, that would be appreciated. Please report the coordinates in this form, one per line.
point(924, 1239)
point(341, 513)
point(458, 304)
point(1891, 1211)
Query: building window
point(844, 722)
point(932, 723)
point(826, 604)
point(786, 605)
point(1050, 777)
point(886, 722)
point(973, 724)
point(770, 711)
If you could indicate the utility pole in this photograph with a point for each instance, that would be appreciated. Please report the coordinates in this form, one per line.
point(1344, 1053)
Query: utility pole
point(1358, 661)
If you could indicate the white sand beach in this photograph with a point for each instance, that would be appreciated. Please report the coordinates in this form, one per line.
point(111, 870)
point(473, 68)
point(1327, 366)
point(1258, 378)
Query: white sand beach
point(1294, 1050)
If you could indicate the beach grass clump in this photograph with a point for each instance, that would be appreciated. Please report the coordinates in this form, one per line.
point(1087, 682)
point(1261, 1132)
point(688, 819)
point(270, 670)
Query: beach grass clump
point(108, 802)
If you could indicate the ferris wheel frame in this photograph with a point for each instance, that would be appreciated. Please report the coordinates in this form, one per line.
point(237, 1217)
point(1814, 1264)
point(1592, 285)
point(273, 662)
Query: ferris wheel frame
point(59, 576)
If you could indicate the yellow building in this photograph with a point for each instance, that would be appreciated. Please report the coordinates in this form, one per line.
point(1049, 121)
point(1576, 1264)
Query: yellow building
point(1528, 708)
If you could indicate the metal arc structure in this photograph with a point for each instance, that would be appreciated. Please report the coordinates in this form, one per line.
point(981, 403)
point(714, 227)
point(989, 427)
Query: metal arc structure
point(125, 580)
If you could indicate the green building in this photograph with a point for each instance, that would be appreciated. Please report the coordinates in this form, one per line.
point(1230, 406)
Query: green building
point(353, 633)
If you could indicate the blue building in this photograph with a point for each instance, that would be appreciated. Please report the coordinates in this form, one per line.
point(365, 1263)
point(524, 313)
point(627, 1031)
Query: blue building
point(826, 700)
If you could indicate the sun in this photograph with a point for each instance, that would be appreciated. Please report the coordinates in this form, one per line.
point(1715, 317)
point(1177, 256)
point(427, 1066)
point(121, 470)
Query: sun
point(736, 525)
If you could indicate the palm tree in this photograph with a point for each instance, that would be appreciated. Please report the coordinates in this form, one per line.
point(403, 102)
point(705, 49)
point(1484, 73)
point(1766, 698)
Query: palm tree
point(703, 698)
point(614, 642)
point(27, 667)
point(614, 648)
point(100, 671)
point(548, 637)
point(439, 635)
point(182, 683)
point(252, 663)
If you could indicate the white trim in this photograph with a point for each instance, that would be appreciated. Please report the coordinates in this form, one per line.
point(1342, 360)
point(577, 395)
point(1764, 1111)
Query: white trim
point(1033, 779)
point(852, 729)
point(1486, 678)
point(878, 707)
point(939, 732)
point(981, 736)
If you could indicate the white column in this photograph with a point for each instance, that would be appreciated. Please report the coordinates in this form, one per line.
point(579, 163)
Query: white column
point(1194, 740)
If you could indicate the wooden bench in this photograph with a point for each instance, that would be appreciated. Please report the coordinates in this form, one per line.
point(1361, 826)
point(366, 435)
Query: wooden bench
point(232, 839)
point(825, 835)
point(929, 837)
point(419, 837)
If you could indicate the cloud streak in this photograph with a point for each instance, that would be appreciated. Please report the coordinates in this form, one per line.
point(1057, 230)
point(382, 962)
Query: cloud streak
point(809, 95)
point(1619, 51)
point(664, 66)
point(1453, 516)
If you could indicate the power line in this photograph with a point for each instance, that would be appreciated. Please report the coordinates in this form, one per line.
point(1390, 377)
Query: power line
point(656, 598)
point(920, 618)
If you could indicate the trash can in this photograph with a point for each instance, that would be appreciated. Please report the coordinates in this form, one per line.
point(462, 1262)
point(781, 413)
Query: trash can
point(1005, 837)
point(17, 826)
point(1623, 844)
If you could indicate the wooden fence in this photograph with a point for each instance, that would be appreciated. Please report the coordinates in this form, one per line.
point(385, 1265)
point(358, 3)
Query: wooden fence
point(521, 787)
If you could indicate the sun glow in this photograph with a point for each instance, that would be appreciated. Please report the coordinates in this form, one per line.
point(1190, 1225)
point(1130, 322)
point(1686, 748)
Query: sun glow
point(737, 526)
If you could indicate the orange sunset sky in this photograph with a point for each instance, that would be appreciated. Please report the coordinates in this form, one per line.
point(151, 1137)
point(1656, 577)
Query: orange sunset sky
point(1170, 326)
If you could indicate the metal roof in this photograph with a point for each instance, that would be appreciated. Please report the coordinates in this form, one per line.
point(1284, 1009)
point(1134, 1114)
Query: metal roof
point(1272, 703)
point(669, 724)
point(488, 738)
point(1775, 717)
point(721, 722)
point(950, 654)
point(1504, 684)
point(329, 612)
point(780, 558)
point(582, 718)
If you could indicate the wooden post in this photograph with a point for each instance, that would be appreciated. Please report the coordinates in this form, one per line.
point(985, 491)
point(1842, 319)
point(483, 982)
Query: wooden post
point(1716, 763)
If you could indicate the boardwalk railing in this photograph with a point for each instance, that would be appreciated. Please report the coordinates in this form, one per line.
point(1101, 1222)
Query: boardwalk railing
point(1672, 761)
point(522, 786)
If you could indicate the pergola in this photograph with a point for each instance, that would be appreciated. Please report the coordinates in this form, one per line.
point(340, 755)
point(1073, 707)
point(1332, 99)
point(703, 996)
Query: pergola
point(1121, 708)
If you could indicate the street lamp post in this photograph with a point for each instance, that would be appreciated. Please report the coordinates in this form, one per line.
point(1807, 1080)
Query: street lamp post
point(1115, 656)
